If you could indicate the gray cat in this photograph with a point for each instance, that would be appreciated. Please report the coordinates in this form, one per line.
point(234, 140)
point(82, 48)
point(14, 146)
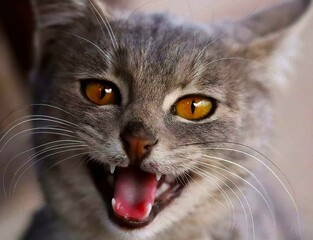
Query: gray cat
point(149, 123)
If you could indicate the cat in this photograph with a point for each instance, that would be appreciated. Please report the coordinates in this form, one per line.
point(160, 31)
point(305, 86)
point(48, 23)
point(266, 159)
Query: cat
point(149, 123)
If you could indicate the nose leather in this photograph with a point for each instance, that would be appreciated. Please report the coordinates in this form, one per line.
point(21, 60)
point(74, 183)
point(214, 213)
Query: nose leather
point(137, 141)
point(137, 148)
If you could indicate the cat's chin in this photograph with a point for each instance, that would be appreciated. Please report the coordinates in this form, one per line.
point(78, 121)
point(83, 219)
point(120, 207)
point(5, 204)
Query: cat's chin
point(168, 188)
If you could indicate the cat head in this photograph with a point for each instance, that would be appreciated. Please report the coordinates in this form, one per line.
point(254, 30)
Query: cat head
point(143, 111)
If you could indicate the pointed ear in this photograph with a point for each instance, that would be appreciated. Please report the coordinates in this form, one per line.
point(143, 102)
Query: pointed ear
point(263, 32)
point(52, 16)
point(50, 13)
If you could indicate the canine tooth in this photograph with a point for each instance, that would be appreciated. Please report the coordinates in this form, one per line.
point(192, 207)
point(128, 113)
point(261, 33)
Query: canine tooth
point(148, 210)
point(112, 168)
point(158, 176)
point(113, 203)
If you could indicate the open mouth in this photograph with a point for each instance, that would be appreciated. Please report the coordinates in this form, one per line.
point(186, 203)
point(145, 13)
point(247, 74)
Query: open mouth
point(133, 197)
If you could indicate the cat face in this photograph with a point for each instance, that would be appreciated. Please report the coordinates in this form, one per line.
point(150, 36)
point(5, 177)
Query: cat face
point(144, 112)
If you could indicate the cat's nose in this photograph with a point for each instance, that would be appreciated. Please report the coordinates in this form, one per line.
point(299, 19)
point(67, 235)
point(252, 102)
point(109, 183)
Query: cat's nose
point(137, 148)
point(138, 142)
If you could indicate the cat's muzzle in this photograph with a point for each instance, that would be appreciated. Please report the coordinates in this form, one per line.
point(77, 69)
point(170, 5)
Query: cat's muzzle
point(132, 196)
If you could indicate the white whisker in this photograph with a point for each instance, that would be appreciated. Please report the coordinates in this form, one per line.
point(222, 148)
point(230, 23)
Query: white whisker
point(107, 25)
point(267, 167)
point(201, 187)
point(38, 160)
point(231, 207)
point(52, 106)
point(32, 120)
point(235, 58)
point(267, 201)
point(38, 104)
point(238, 198)
point(53, 148)
point(246, 170)
point(213, 41)
point(63, 160)
point(106, 54)
point(33, 116)
point(24, 152)
point(37, 128)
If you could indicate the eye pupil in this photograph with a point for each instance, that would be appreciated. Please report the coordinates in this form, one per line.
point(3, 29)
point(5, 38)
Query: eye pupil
point(193, 107)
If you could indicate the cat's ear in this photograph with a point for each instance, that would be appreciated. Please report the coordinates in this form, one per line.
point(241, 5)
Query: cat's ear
point(261, 33)
point(53, 16)
point(53, 13)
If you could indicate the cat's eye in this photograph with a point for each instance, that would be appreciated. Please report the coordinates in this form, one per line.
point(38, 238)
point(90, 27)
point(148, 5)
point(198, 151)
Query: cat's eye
point(101, 92)
point(194, 107)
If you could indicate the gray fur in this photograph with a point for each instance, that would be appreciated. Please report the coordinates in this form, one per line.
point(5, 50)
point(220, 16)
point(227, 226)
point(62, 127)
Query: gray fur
point(155, 61)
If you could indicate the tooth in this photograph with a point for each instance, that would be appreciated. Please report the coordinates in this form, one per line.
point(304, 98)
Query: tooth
point(148, 210)
point(112, 168)
point(113, 203)
point(158, 176)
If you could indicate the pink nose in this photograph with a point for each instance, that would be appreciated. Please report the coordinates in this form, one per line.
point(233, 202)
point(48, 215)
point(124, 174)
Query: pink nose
point(137, 148)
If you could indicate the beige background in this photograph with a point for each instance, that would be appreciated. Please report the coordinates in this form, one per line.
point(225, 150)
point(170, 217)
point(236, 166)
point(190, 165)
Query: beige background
point(293, 124)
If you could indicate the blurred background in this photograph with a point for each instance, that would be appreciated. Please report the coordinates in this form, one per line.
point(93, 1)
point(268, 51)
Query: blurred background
point(19, 192)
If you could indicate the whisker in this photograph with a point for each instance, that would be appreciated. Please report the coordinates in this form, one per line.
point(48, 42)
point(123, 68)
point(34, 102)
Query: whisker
point(268, 168)
point(255, 178)
point(24, 152)
point(253, 157)
point(213, 41)
point(38, 160)
point(183, 179)
point(106, 54)
point(228, 200)
point(31, 116)
point(59, 162)
point(106, 23)
point(267, 201)
point(38, 128)
point(46, 132)
point(238, 198)
point(54, 107)
point(235, 58)
point(37, 104)
point(33, 120)
point(218, 201)
point(53, 148)
point(230, 206)
point(136, 9)
point(277, 178)
point(254, 9)
point(224, 167)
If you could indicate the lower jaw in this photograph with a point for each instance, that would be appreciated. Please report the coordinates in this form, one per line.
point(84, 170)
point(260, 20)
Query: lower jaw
point(106, 191)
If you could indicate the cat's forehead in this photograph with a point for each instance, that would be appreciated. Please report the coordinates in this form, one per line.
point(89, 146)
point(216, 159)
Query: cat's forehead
point(158, 52)
point(151, 55)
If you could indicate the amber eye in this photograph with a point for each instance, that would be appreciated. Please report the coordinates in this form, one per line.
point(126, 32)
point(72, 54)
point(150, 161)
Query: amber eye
point(101, 92)
point(194, 107)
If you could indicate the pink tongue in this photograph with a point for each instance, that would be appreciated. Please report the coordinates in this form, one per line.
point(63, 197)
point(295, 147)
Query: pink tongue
point(134, 193)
